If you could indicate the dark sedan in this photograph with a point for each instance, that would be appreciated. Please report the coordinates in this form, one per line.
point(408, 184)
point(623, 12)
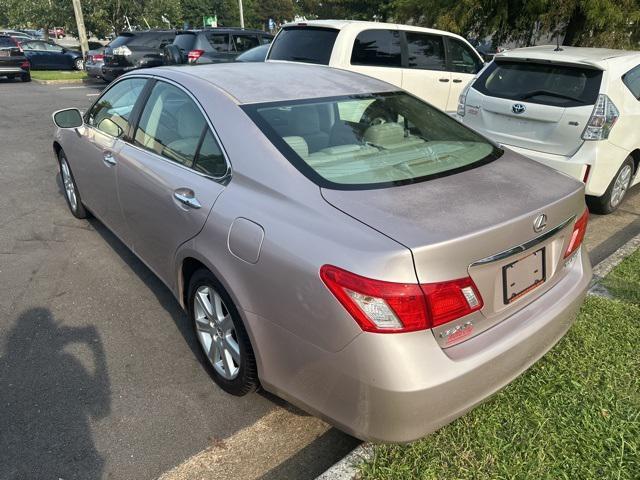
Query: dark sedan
point(13, 63)
point(49, 56)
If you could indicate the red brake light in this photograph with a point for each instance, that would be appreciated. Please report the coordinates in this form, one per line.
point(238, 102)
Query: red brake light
point(579, 230)
point(194, 55)
point(98, 57)
point(25, 65)
point(387, 307)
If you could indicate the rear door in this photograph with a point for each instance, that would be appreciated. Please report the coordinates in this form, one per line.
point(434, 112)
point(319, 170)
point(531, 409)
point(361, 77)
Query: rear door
point(425, 73)
point(538, 106)
point(219, 48)
point(463, 63)
point(167, 177)
point(378, 53)
point(244, 41)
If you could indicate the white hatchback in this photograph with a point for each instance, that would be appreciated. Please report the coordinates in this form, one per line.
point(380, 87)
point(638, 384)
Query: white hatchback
point(434, 65)
point(574, 109)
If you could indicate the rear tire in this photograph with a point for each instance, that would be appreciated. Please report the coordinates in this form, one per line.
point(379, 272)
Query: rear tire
point(25, 77)
point(78, 64)
point(221, 334)
point(71, 193)
point(616, 191)
point(11, 77)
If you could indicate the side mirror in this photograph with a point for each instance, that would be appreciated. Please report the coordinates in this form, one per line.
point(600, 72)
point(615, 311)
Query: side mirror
point(68, 118)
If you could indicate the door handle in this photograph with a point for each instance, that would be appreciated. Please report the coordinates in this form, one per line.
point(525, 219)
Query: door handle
point(444, 80)
point(187, 197)
point(108, 158)
point(457, 80)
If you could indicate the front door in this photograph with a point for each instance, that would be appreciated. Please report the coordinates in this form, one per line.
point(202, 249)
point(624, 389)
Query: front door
point(168, 179)
point(95, 161)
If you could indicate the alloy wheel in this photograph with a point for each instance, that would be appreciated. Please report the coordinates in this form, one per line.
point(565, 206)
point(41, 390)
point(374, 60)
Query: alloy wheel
point(69, 186)
point(621, 185)
point(216, 332)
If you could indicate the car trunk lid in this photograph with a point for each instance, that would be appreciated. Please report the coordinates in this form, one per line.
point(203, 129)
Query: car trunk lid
point(475, 223)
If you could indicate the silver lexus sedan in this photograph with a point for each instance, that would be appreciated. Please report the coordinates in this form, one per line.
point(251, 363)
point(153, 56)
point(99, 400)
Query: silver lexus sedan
point(334, 239)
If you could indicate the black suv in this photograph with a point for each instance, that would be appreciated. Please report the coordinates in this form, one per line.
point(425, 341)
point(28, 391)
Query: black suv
point(131, 50)
point(213, 45)
point(13, 63)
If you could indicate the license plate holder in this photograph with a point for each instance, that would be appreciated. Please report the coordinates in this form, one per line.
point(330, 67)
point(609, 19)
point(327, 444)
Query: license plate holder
point(524, 275)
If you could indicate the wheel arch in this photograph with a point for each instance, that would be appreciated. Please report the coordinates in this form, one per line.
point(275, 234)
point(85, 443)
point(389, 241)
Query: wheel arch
point(635, 156)
point(57, 148)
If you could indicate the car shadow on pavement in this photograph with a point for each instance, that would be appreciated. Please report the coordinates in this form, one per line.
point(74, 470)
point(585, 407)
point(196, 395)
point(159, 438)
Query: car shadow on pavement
point(48, 397)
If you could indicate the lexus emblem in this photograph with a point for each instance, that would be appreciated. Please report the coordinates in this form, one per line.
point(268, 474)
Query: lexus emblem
point(518, 108)
point(540, 222)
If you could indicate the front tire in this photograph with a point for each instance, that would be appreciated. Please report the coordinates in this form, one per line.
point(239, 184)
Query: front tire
point(616, 191)
point(25, 77)
point(71, 193)
point(221, 334)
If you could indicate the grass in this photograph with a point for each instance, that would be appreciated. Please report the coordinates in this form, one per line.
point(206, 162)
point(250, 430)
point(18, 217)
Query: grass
point(573, 415)
point(57, 74)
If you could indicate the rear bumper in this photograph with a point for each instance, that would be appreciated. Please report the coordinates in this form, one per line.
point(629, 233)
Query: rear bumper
point(603, 157)
point(93, 69)
point(111, 73)
point(17, 69)
point(398, 388)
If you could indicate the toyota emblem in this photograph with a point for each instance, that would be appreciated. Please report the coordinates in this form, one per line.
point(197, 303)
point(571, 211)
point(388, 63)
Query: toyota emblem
point(540, 222)
point(518, 108)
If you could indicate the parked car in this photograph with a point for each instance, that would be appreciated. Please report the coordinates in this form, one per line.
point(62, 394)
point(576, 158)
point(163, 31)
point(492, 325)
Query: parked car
point(20, 36)
point(575, 109)
point(137, 49)
point(57, 32)
point(35, 34)
point(49, 56)
point(432, 64)
point(256, 54)
point(13, 63)
point(385, 275)
point(213, 45)
point(93, 63)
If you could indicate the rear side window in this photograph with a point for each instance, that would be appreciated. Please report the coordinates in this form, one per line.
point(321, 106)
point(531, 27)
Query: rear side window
point(171, 124)
point(547, 84)
point(462, 58)
point(185, 41)
point(632, 80)
point(245, 42)
point(425, 51)
point(219, 41)
point(380, 48)
point(309, 45)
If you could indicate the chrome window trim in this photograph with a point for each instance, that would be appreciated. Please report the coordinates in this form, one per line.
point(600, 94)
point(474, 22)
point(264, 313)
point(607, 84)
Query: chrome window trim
point(524, 246)
point(221, 179)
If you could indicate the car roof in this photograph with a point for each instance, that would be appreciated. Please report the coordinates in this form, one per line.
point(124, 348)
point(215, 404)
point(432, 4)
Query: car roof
point(364, 25)
point(262, 82)
point(598, 57)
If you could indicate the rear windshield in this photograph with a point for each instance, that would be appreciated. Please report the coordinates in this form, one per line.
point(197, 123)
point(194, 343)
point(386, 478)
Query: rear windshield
point(548, 84)
point(121, 39)
point(370, 141)
point(185, 41)
point(308, 45)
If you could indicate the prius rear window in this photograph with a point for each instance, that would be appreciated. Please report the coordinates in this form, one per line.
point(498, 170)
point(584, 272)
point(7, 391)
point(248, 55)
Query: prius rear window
point(547, 84)
point(370, 141)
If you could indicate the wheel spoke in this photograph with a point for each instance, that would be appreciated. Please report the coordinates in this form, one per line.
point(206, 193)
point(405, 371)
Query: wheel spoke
point(202, 298)
point(232, 347)
point(227, 363)
point(218, 308)
point(216, 351)
point(226, 324)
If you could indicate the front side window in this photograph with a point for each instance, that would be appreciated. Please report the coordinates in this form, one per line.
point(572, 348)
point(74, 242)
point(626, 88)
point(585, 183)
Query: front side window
point(52, 48)
point(379, 48)
point(245, 42)
point(219, 42)
point(372, 141)
point(304, 44)
point(632, 80)
point(544, 83)
point(110, 114)
point(425, 51)
point(462, 58)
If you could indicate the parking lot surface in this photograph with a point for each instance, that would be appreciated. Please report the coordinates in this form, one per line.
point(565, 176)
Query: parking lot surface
point(100, 375)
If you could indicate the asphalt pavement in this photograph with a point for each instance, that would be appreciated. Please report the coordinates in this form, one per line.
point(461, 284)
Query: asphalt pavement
point(100, 374)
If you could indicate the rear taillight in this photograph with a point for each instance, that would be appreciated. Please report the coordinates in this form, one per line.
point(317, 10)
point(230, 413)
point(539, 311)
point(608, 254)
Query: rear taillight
point(602, 119)
point(98, 57)
point(462, 100)
point(194, 55)
point(579, 229)
point(387, 307)
point(25, 65)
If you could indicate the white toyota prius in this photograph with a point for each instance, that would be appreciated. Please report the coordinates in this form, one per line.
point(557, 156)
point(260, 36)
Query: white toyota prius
point(574, 109)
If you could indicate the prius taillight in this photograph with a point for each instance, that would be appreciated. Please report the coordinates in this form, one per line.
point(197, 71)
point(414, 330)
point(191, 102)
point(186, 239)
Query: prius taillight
point(388, 307)
point(194, 55)
point(577, 236)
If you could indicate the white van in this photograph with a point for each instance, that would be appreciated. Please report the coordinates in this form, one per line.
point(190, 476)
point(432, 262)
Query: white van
point(432, 64)
point(574, 109)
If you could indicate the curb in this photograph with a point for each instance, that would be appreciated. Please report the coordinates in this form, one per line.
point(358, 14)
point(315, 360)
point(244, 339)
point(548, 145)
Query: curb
point(347, 468)
point(62, 81)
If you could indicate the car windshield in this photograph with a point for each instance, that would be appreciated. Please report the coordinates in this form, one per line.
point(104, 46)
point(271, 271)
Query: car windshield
point(370, 141)
point(548, 84)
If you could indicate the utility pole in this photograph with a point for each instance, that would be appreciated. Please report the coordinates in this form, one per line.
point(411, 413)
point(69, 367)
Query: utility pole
point(241, 14)
point(82, 33)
